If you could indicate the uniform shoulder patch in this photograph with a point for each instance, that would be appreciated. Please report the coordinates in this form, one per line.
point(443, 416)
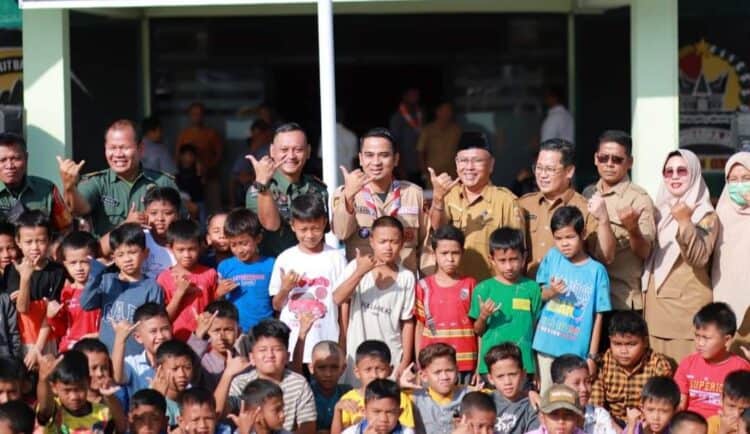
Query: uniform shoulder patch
point(157, 174)
point(318, 180)
point(94, 174)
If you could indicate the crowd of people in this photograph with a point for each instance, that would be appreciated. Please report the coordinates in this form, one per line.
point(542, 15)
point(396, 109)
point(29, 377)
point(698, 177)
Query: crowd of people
point(472, 312)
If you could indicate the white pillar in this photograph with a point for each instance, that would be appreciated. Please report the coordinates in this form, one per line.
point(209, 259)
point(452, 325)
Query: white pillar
point(46, 89)
point(654, 85)
point(327, 71)
point(146, 65)
point(572, 65)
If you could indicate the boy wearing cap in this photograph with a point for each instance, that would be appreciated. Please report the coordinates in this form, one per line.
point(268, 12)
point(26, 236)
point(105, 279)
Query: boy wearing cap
point(472, 204)
point(560, 412)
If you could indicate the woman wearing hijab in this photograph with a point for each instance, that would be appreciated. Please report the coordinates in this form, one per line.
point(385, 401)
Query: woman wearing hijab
point(730, 273)
point(675, 276)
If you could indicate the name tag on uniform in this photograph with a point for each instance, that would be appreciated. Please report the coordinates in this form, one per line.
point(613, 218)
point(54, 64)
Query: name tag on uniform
point(522, 304)
point(110, 201)
point(408, 210)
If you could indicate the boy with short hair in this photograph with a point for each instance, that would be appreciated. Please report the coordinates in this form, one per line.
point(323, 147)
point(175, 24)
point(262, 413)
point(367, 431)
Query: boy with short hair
point(435, 406)
point(16, 417)
point(373, 361)
point(197, 411)
point(100, 369)
point(11, 379)
point(71, 323)
point(262, 409)
point(269, 354)
point(560, 411)
point(382, 410)
point(626, 366)
point(61, 393)
point(443, 301)
point(701, 375)
point(735, 399)
point(175, 368)
point(219, 326)
point(515, 413)
point(151, 328)
point(148, 412)
point(250, 272)
point(37, 280)
point(327, 366)
point(161, 207)
point(659, 400)
point(505, 308)
point(379, 293)
point(118, 294)
point(478, 413)
point(304, 276)
point(8, 248)
point(188, 286)
point(688, 422)
point(576, 290)
point(217, 246)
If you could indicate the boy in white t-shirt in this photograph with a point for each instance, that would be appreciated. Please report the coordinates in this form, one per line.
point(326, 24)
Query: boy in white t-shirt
point(378, 292)
point(162, 207)
point(303, 276)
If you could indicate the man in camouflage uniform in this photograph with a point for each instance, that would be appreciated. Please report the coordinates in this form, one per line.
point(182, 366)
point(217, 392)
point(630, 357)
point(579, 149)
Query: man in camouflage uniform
point(20, 191)
point(278, 180)
point(114, 195)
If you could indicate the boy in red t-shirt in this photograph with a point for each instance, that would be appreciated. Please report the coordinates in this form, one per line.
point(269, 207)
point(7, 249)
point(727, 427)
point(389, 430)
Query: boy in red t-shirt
point(701, 375)
point(188, 286)
point(68, 320)
point(443, 301)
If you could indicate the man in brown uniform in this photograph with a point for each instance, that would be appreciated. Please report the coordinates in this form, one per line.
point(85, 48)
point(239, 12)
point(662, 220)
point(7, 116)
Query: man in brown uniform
point(373, 192)
point(631, 216)
point(554, 170)
point(475, 206)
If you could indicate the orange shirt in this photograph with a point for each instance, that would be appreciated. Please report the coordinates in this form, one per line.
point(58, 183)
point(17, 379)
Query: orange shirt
point(30, 322)
point(207, 141)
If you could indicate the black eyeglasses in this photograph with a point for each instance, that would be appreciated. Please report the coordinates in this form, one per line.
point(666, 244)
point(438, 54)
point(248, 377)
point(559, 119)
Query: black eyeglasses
point(605, 158)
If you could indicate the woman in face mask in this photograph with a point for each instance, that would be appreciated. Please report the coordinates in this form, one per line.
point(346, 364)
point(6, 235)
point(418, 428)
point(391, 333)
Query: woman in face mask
point(731, 268)
point(675, 276)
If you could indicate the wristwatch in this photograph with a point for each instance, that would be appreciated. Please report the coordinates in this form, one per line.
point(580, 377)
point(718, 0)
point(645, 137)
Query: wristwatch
point(262, 188)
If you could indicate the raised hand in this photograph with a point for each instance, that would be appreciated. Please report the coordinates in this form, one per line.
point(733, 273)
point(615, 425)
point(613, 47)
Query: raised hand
point(264, 168)
point(203, 321)
point(225, 286)
point(109, 388)
point(69, 171)
point(306, 321)
point(25, 267)
point(350, 406)
point(476, 383)
point(682, 212)
point(123, 329)
point(236, 364)
point(354, 181)
point(53, 308)
point(462, 426)
point(47, 364)
point(487, 308)
point(289, 280)
point(598, 207)
point(633, 416)
point(557, 286)
point(629, 218)
point(245, 421)
point(32, 358)
point(365, 263)
point(408, 379)
point(441, 184)
point(135, 216)
point(182, 284)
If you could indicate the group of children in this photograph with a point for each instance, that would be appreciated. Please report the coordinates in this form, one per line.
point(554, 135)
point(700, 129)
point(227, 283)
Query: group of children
point(177, 331)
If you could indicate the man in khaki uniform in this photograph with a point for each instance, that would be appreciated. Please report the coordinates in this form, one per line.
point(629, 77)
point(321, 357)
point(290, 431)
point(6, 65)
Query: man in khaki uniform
point(554, 170)
point(373, 192)
point(475, 206)
point(631, 216)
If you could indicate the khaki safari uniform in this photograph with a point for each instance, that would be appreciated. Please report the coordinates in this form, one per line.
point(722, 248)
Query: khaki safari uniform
point(283, 191)
point(626, 269)
point(538, 212)
point(669, 309)
point(494, 208)
point(110, 197)
point(404, 201)
point(35, 193)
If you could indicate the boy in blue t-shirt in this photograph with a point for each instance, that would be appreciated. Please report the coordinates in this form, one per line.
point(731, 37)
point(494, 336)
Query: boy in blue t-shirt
point(575, 288)
point(118, 294)
point(250, 271)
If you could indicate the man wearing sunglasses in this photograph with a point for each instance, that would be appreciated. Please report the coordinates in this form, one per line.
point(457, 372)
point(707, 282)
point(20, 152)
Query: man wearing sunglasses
point(631, 215)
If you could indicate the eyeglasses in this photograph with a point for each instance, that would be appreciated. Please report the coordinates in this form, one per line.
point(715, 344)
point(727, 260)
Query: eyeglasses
point(547, 170)
point(466, 161)
point(606, 158)
point(680, 171)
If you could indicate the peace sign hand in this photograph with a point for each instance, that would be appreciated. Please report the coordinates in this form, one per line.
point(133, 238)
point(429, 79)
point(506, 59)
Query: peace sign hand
point(441, 184)
point(354, 182)
point(69, 172)
point(264, 168)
